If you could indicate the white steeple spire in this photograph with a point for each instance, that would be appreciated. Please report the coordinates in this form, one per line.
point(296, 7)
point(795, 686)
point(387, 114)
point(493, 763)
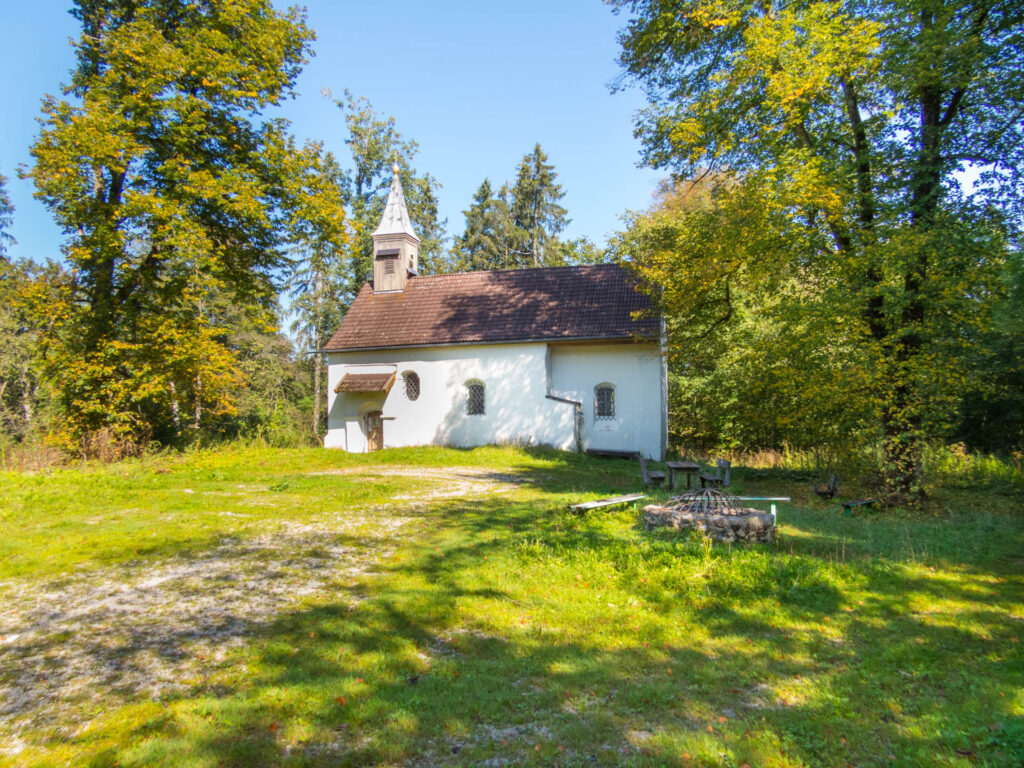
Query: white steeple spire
point(395, 244)
point(395, 220)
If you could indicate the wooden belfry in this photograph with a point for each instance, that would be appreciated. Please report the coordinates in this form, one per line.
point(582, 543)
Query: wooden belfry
point(395, 244)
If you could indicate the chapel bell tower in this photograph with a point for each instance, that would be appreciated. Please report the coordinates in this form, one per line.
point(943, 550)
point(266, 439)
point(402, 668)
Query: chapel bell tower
point(395, 245)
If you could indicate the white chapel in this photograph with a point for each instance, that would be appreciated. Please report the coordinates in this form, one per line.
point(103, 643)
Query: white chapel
point(569, 357)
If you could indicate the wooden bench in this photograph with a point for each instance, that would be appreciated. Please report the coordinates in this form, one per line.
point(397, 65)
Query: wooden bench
point(586, 506)
point(849, 505)
point(651, 478)
point(721, 477)
point(609, 454)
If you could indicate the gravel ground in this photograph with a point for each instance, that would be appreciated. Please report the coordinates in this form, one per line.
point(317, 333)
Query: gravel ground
point(101, 637)
point(156, 629)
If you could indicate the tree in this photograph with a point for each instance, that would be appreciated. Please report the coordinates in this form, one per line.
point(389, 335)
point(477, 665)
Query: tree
point(6, 218)
point(172, 189)
point(757, 356)
point(581, 250)
point(519, 226)
point(486, 241)
point(376, 145)
point(991, 412)
point(537, 218)
point(851, 121)
point(319, 284)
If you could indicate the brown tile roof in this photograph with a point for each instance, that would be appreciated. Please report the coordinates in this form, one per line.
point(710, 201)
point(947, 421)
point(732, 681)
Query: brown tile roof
point(366, 382)
point(587, 302)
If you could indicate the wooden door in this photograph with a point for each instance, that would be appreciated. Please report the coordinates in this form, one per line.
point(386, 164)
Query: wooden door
point(374, 426)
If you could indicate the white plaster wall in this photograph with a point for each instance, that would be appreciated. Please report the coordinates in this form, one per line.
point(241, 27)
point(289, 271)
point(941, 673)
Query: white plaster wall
point(635, 371)
point(517, 407)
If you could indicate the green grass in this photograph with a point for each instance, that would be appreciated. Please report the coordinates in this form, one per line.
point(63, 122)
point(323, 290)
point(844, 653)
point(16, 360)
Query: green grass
point(497, 629)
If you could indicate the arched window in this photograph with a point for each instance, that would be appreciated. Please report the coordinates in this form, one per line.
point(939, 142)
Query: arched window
point(412, 385)
point(475, 402)
point(604, 402)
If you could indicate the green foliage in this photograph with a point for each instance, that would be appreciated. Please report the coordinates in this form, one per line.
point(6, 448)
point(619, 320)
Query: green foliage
point(761, 350)
point(485, 244)
point(581, 251)
point(27, 292)
point(6, 218)
point(518, 227)
point(537, 218)
point(849, 121)
point(319, 283)
point(992, 403)
point(376, 145)
point(174, 193)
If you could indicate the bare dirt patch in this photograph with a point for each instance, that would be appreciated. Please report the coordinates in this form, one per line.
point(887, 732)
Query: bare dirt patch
point(153, 630)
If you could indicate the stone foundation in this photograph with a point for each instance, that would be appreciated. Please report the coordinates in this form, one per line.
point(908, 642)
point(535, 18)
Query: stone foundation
point(751, 525)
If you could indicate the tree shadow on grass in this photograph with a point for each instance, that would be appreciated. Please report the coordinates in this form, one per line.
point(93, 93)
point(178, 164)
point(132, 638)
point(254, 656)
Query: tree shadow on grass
point(760, 661)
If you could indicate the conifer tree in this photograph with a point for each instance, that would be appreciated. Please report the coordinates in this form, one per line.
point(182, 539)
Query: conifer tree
point(519, 226)
point(537, 218)
point(486, 241)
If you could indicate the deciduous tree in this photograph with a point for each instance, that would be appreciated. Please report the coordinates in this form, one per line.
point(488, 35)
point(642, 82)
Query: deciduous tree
point(171, 186)
point(852, 119)
point(319, 285)
point(376, 145)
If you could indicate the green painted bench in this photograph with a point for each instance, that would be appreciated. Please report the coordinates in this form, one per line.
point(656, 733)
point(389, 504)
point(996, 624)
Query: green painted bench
point(849, 505)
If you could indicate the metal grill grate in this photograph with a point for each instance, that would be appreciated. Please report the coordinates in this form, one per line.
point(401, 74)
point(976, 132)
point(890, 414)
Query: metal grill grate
point(708, 501)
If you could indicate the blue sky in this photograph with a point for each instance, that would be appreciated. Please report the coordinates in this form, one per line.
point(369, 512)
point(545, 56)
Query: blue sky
point(476, 84)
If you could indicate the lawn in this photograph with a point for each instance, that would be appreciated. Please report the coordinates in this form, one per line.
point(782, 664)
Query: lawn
point(258, 607)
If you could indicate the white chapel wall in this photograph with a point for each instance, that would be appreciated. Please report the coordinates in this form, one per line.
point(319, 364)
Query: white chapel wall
point(635, 372)
point(516, 404)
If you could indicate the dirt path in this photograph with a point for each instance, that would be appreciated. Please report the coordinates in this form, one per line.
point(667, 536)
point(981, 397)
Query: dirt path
point(156, 629)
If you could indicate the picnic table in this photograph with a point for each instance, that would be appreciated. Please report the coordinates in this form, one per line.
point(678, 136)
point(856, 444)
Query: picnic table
point(687, 468)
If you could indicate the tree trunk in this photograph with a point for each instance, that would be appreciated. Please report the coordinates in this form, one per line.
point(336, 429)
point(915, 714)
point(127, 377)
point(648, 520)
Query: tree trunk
point(175, 409)
point(198, 410)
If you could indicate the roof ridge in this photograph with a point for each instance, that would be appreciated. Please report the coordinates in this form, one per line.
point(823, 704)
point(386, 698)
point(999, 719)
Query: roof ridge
point(421, 278)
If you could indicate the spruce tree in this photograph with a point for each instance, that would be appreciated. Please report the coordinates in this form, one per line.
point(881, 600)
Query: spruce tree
point(486, 242)
point(537, 217)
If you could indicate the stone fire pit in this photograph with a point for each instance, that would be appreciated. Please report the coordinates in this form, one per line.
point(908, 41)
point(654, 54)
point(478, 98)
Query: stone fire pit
point(714, 512)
